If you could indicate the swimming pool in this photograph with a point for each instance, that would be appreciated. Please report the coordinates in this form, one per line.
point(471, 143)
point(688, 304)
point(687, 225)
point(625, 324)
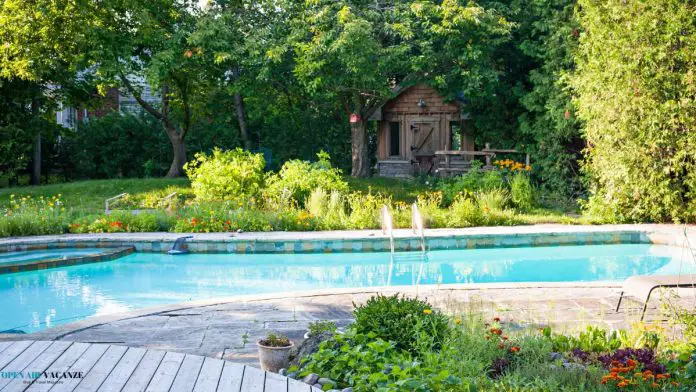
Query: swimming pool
point(34, 300)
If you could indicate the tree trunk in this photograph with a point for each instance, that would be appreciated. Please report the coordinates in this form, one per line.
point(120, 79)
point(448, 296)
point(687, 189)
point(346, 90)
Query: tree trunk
point(179, 149)
point(239, 104)
point(360, 156)
point(36, 164)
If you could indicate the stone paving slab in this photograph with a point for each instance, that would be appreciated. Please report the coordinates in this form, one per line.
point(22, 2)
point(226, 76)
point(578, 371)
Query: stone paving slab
point(229, 331)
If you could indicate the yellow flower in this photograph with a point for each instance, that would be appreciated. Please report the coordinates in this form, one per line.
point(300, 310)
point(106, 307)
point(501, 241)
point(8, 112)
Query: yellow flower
point(427, 311)
point(457, 321)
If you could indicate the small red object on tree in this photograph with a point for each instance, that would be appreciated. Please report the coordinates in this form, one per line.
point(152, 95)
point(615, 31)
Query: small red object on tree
point(354, 118)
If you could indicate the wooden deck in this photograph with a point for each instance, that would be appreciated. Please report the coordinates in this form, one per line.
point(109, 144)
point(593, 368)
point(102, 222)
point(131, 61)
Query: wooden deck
point(110, 368)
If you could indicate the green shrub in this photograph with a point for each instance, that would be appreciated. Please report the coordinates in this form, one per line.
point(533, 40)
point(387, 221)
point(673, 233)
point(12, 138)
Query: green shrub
point(365, 210)
point(521, 191)
point(475, 180)
point(634, 90)
point(300, 178)
point(233, 175)
point(34, 216)
point(366, 363)
point(398, 319)
point(464, 213)
point(319, 327)
point(495, 199)
point(329, 209)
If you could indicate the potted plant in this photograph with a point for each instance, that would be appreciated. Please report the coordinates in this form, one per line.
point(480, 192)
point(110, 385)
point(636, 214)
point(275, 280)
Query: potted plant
point(274, 352)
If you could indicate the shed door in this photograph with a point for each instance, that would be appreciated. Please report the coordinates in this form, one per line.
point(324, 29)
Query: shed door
point(426, 134)
point(425, 137)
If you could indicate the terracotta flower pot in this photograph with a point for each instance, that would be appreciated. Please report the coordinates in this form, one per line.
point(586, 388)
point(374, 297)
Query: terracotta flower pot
point(272, 359)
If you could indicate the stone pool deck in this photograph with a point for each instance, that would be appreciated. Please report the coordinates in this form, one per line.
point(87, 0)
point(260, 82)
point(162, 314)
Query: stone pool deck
point(228, 329)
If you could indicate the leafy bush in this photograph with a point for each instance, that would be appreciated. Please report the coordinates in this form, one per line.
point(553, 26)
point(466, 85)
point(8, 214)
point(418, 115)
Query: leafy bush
point(398, 319)
point(494, 199)
point(634, 89)
point(366, 363)
point(128, 146)
point(365, 210)
point(522, 191)
point(475, 180)
point(464, 213)
point(329, 209)
point(592, 340)
point(300, 178)
point(319, 327)
point(233, 175)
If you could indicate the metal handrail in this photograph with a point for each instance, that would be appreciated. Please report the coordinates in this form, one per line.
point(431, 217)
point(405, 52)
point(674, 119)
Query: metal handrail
point(168, 197)
point(417, 224)
point(106, 203)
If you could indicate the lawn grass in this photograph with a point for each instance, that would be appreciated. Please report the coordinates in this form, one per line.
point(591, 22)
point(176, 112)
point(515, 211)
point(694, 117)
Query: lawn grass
point(89, 196)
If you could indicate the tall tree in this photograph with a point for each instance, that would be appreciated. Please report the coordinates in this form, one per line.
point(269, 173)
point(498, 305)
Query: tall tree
point(136, 43)
point(357, 51)
point(549, 121)
point(42, 45)
point(636, 94)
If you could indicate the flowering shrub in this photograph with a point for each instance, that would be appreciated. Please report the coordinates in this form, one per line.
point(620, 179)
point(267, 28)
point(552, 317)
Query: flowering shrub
point(300, 178)
point(234, 175)
point(512, 166)
point(34, 216)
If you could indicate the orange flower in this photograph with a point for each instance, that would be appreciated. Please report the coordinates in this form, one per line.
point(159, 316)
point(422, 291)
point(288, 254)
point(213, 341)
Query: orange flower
point(514, 349)
point(631, 362)
point(676, 384)
point(505, 338)
point(501, 346)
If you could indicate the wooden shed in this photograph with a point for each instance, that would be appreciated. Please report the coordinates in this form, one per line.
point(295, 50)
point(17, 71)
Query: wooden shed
point(414, 128)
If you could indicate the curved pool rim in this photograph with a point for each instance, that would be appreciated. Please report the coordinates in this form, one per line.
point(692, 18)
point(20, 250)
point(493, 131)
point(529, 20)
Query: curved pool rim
point(424, 291)
point(105, 253)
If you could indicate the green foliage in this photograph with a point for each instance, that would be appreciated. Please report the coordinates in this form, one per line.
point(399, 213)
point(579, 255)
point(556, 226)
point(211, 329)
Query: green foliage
point(365, 210)
point(117, 155)
point(492, 200)
point(398, 319)
point(473, 181)
point(273, 340)
point(522, 191)
point(549, 36)
point(25, 216)
point(329, 208)
point(592, 340)
point(122, 222)
point(299, 178)
point(318, 327)
point(234, 175)
point(635, 94)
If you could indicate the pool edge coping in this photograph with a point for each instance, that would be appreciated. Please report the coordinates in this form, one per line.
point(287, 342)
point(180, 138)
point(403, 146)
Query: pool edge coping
point(61, 331)
point(371, 240)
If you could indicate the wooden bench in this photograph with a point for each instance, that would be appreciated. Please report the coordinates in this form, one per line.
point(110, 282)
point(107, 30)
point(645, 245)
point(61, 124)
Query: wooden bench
point(641, 287)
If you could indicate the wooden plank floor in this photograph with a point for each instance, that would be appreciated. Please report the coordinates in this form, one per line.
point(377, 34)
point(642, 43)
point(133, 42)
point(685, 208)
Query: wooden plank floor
point(111, 368)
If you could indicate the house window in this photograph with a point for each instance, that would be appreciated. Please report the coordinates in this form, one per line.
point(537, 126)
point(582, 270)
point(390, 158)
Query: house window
point(394, 139)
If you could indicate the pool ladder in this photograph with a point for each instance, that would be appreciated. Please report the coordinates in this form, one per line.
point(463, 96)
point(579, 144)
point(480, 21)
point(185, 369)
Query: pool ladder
point(417, 227)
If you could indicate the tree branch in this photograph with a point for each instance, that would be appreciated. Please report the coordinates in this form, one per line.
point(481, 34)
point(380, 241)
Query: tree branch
point(140, 100)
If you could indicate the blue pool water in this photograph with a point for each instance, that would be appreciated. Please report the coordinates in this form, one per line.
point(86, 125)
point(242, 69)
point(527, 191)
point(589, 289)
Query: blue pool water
point(30, 301)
